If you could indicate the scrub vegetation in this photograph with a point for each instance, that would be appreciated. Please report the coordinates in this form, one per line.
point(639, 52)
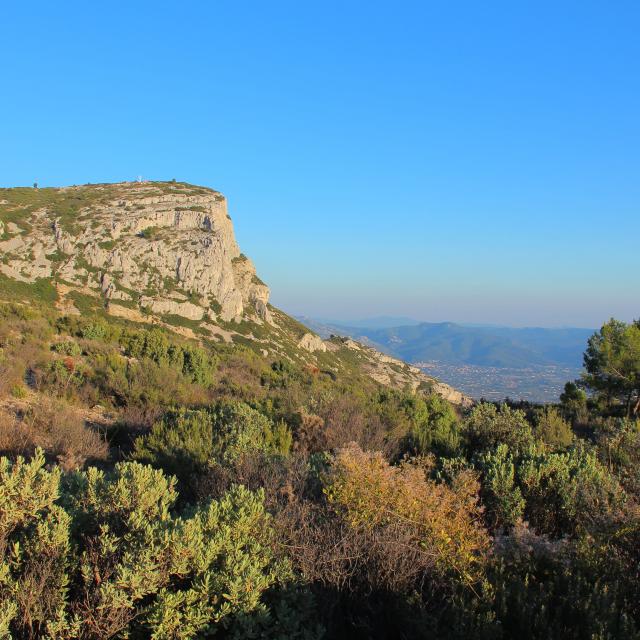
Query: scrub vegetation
point(153, 486)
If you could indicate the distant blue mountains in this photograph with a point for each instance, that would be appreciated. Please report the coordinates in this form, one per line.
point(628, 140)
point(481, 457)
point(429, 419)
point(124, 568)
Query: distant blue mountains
point(457, 344)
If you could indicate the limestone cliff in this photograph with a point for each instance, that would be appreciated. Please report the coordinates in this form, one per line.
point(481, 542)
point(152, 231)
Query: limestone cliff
point(165, 253)
point(165, 247)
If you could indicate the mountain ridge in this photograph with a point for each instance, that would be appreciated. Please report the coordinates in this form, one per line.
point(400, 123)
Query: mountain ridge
point(165, 253)
point(454, 343)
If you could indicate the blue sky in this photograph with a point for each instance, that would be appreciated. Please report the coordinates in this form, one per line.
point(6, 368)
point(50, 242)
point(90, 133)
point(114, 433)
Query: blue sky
point(465, 161)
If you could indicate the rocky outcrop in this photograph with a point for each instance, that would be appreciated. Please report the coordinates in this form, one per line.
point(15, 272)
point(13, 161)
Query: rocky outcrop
point(452, 395)
point(311, 342)
point(166, 254)
point(167, 247)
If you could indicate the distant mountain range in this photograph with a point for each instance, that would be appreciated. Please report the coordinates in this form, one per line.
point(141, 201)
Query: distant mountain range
point(376, 322)
point(456, 344)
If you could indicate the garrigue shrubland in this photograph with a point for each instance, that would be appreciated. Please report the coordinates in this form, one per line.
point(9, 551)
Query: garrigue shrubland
point(152, 487)
point(99, 555)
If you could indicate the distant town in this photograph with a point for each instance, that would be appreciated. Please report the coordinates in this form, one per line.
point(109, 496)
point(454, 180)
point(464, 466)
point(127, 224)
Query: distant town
point(535, 383)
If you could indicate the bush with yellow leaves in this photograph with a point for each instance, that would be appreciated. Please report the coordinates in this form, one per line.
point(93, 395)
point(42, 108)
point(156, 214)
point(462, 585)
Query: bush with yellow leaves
point(416, 527)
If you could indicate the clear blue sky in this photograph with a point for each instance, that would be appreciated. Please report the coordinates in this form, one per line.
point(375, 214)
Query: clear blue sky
point(466, 161)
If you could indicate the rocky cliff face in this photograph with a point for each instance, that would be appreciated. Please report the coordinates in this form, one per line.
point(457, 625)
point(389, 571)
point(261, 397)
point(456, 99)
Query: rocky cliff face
point(165, 247)
point(165, 253)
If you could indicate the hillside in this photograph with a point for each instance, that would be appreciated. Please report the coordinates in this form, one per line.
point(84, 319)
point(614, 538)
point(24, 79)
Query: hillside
point(179, 459)
point(164, 253)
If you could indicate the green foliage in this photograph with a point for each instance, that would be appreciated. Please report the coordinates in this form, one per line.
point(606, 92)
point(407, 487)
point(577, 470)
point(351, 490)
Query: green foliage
point(568, 493)
point(96, 330)
point(488, 426)
point(612, 363)
point(19, 391)
point(552, 429)
point(619, 451)
point(278, 438)
point(196, 364)
point(434, 426)
point(573, 403)
point(501, 496)
point(42, 290)
point(86, 304)
point(34, 539)
point(193, 362)
point(180, 321)
point(67, 348)
point(192, 208)
point(186, 442)
point(559, 589)
point(152, 344)
point(150, 233)
point(104, 555)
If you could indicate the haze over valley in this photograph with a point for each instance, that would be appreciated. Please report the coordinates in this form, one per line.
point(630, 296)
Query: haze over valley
point(489, 362)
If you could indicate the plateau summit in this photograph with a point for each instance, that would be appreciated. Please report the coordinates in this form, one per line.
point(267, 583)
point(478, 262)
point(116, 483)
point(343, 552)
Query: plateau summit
point(165, 253)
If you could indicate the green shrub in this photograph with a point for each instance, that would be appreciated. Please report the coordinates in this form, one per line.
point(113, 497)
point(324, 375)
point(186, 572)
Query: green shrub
point(573, 403)
point(95, 330)
point(553, 430)
point(42, 290)
point(103, 555)
point(546, 589)
point(197, 365)
point(501, 496)
point(67, 348)
point(19, 391)
point(35, 539)
point(568, 493)
point(186, 442)
point(107, 244)
point(488, 426)
point(278, 438)
point(434, 428)
point(149, 233)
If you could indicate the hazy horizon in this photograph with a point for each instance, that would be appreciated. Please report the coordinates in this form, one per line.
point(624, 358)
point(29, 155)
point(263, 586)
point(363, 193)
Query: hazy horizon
point(467, 163)
point(392, 321)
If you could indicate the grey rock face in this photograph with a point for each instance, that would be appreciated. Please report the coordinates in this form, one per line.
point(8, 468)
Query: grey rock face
point(169, 248)
point(312, 342)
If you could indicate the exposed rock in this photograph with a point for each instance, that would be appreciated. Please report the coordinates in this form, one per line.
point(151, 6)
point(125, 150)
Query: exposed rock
point(312, 343)
point(153, 250)
point(255, 291)
point(149, 242)
point(171, 307)
point(452, 395)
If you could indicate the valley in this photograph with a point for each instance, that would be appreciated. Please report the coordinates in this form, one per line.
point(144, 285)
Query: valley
point(488, 362)
point(535, 383)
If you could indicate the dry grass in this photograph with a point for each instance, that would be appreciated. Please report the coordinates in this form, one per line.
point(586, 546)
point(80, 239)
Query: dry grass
point(54, 426)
